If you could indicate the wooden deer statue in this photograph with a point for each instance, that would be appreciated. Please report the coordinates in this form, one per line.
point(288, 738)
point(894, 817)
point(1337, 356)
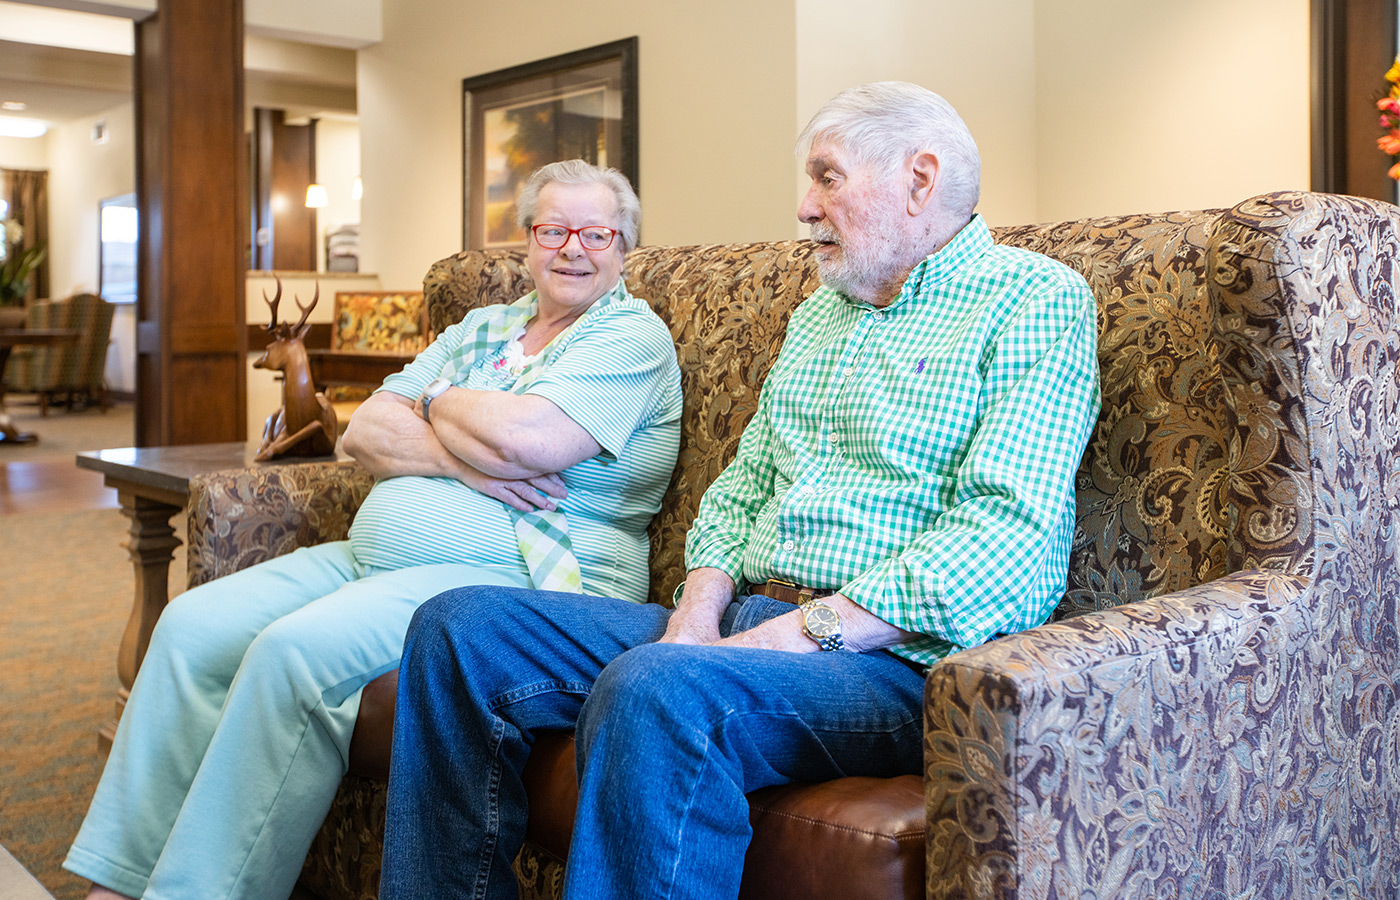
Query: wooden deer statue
point(306, 424)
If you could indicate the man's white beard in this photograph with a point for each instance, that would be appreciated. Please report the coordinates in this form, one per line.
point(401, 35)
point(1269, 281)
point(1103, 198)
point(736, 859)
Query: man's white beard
point(858, 275)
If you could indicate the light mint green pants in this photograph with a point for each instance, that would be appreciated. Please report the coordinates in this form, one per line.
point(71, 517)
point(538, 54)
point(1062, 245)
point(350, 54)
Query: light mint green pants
point(238, 727)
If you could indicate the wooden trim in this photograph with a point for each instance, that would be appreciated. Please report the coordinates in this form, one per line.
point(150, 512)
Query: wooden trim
point(1353, 44)
point(191, 181)
point(263, 220)
point(1326, 83)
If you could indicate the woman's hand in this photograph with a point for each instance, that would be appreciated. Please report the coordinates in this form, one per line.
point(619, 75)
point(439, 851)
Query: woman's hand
point(524, 494)
point(510, 436)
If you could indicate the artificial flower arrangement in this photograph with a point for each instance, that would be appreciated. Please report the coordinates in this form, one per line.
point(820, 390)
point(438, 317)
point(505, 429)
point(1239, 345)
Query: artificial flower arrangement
point(1389, 106)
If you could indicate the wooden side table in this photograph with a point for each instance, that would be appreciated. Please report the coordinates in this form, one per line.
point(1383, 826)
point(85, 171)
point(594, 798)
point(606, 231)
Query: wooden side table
point(153, 484)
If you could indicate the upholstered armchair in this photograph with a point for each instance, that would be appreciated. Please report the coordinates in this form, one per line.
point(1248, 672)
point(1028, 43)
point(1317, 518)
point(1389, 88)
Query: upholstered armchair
point(1213, 711)
point(73, 371)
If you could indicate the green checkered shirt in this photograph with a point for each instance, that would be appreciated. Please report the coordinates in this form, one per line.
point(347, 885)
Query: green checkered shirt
point(920, 458)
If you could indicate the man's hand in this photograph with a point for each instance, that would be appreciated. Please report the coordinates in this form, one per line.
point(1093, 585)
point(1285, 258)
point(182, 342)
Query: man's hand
point(696, 619)
point(781, 633)
point(860, 630)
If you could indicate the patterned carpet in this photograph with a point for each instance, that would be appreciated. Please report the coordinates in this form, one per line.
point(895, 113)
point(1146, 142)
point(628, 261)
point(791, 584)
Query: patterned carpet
point(64, 600)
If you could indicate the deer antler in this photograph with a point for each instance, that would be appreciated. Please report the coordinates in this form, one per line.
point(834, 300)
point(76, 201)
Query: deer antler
point(306, 310)
point(272, 326)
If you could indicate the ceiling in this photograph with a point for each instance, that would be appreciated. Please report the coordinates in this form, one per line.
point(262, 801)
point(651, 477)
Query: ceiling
point(61, 84)
point(58, 84)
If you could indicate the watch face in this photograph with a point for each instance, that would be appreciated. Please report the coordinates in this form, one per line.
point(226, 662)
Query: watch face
point(822, 621)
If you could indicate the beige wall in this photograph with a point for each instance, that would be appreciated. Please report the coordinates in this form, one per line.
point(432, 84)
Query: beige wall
point(1080, 107)
point(1089, 107)
point(1149, 106)
point(979, 56)
point(337, 164)
point(80, 174)
point(24, 153)
point(717, 94)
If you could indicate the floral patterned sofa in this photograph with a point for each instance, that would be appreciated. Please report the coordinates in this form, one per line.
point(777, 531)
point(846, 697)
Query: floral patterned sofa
point(1213, 712)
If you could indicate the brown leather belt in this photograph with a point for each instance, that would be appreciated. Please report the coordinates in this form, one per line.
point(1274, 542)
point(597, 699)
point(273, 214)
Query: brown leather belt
point(788, 592)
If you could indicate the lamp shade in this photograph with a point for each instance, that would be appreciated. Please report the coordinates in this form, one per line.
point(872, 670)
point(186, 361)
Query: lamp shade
point(316, 196)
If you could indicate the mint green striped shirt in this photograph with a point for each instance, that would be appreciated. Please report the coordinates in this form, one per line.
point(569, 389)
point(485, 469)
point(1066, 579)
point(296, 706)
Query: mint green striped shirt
point(920, 458)
point(615, 374)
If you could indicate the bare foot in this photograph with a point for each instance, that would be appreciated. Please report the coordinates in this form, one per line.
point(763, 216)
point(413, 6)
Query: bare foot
point(98, 892)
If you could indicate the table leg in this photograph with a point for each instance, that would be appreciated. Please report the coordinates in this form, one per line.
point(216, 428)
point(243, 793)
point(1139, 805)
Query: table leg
point(152, 547)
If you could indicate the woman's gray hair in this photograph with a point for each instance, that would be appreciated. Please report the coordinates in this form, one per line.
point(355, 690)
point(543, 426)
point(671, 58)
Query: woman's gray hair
point(885, 123)
point(577, 171)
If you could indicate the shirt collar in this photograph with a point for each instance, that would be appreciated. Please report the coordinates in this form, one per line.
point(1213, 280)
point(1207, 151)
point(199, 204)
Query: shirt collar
point(971, 241)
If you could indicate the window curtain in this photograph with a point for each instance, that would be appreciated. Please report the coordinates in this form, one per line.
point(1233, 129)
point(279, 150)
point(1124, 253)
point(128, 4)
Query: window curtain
point(27, 192)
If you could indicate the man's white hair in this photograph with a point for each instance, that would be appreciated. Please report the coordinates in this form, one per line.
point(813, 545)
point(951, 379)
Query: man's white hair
point(885, 123)
point(578, 171)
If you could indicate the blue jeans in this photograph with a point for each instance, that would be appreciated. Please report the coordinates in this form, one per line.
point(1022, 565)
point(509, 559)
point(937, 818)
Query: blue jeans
point(669, 740)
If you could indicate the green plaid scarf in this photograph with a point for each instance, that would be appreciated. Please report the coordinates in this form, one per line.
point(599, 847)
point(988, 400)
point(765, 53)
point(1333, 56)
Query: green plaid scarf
point(543, 535)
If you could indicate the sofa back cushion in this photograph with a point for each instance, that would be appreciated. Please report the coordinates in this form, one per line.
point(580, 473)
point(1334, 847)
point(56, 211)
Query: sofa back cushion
point(1152, 505)
point(727, 306)
point(1153, 508)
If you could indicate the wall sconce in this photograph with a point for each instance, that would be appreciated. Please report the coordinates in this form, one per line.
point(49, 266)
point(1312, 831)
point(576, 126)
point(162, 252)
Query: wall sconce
point(357, 188)
point(316, 196)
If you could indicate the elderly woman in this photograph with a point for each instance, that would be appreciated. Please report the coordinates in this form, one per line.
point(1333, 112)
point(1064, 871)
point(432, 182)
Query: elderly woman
point(529, 445)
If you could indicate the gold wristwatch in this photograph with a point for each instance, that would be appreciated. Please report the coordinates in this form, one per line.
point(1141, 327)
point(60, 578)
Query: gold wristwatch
point(822, 624)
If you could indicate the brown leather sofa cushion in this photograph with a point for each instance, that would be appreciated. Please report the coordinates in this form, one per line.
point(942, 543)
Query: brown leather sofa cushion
point(852, 838)
point(373, 737)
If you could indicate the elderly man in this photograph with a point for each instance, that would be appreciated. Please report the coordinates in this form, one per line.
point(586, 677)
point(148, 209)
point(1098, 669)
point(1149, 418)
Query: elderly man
point(904, 490)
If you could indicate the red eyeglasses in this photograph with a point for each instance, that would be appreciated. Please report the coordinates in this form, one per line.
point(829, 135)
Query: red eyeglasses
point(590, 237)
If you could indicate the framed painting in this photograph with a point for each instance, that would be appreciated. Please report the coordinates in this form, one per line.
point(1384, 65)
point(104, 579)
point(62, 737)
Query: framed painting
point(580, 105)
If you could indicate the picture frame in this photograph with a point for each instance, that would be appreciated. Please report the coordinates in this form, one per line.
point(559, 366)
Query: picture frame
point(576, 105)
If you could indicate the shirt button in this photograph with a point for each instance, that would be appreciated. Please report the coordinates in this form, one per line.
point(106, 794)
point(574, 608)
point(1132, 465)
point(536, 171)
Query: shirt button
point(789, 545)
point(879, 315)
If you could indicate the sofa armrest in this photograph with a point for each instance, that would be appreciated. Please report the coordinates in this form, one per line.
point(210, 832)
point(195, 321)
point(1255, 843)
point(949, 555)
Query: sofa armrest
point(241, 517)
point(1122, 749)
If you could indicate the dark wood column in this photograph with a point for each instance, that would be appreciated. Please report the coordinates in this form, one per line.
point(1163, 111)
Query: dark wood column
point(1353, 44)
point(190, 340)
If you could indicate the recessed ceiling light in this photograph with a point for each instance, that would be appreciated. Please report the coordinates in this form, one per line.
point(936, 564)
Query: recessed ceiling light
point(14, 105)
point(14, 126)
